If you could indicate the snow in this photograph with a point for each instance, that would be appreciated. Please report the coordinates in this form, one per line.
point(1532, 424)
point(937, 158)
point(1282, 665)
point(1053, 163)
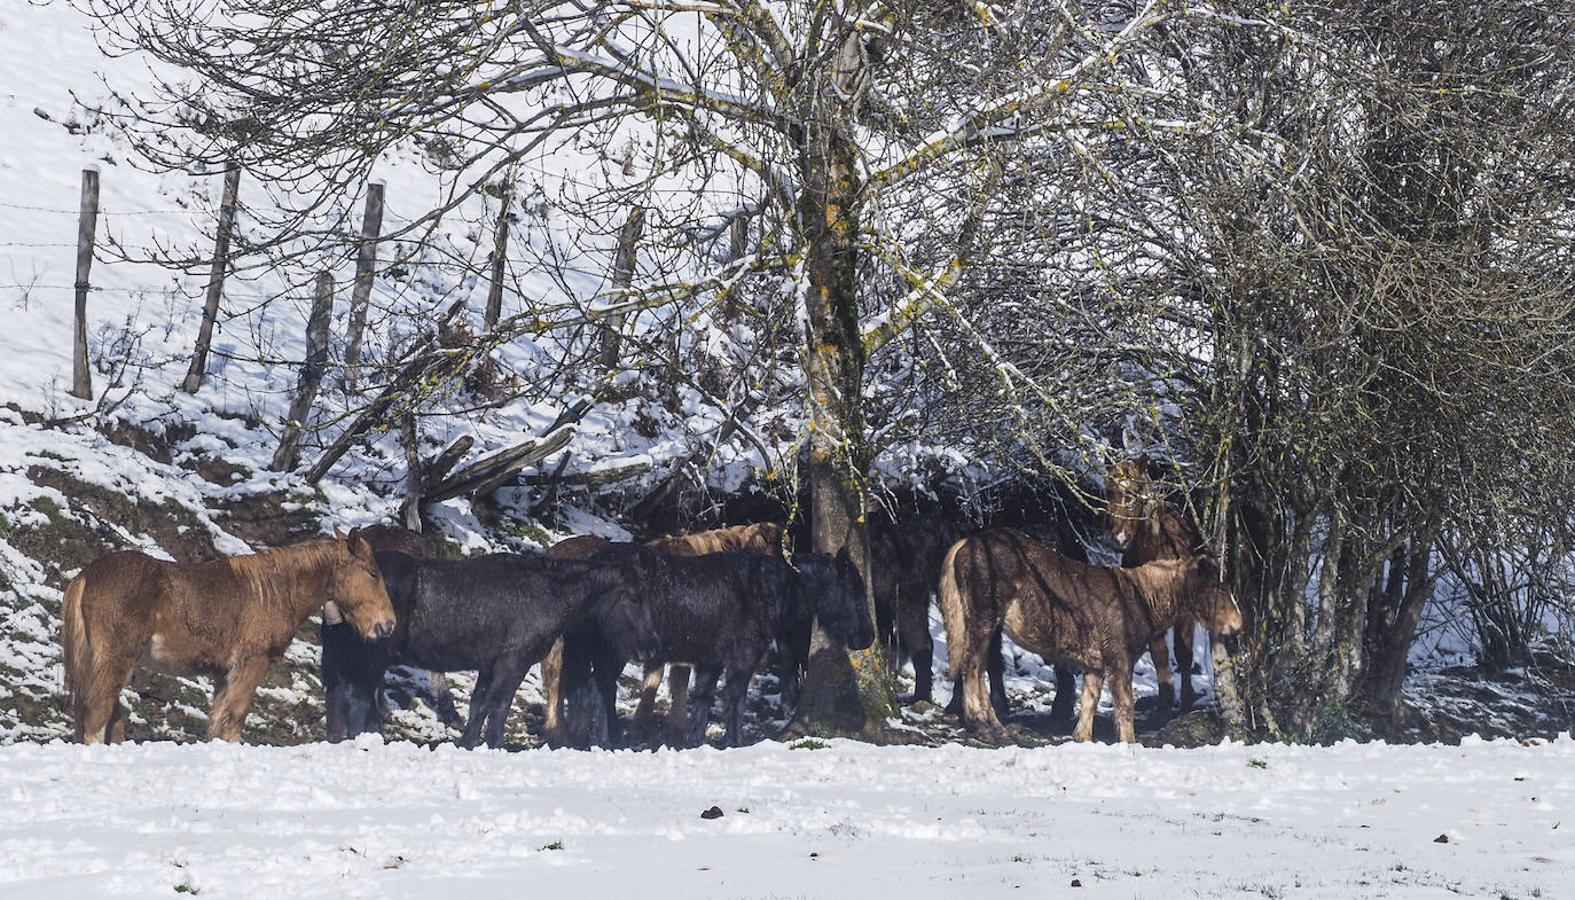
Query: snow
point(399, 820)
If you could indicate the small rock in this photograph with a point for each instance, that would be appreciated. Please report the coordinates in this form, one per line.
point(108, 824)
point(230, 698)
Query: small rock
point(1076, 883)
point(1441, 839)
point(714, 812)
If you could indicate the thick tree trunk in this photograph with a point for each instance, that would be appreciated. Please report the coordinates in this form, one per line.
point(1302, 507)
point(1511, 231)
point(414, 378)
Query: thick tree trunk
point(844, 693)
point(1390, 662)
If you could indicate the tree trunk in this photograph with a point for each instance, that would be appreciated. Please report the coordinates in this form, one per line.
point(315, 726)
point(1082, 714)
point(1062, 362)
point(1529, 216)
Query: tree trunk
point(844, 693)
point(1389, 664)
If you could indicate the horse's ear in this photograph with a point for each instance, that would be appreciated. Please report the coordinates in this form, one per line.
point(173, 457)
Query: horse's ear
point(1142, 461)
point(339, 534)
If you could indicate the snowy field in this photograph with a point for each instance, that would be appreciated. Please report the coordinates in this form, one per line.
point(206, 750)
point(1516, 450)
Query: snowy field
point(845, 820)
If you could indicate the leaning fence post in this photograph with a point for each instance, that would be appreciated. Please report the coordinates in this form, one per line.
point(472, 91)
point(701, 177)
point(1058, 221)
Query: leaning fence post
point(87, 226)
point(622, 276)
point(221, 264)
point(285, 457)
point(500, 258)
point(365, 269)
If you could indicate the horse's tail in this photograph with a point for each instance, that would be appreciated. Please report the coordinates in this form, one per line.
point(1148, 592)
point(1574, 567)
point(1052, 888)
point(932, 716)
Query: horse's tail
point(76, 651)
point(951, 601)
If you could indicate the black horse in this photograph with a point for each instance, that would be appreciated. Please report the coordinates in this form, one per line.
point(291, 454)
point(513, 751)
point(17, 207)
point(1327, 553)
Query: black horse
point(905, 567)
point(718, 613)
point(497, 615)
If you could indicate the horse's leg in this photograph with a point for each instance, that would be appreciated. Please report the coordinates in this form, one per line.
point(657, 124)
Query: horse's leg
point(336, 707)
point(1186, 629)
point(117, 723)
point(1092, 682)
point(506, 678)
point(477, 713)
point(974, 676)
point(227, 718)
point(648, 688)
point(607, 665)
point(678, 698)
point(886, 626)
point(997, 676)
point(913, 627)
point(734, 690)
point(443, 698)
point(552, 691)
point(1065, 687)
point(700, 702)
point(1121, 693)
point(1167, 689)
point(103, 696)
point(792, 656)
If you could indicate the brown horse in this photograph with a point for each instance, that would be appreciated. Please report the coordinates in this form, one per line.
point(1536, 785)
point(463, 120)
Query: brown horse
point(765, 538)
point(1147, 526)
point(229, 619)
point(1098, 618)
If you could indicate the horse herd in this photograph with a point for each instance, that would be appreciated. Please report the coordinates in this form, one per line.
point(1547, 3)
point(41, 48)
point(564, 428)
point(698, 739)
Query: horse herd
point(705, 609)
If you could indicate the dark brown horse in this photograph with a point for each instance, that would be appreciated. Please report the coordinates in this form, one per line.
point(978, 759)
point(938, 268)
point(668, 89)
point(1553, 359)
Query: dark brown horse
point(1147, 526)
point(229, 619)
point(1098, 618)
point(383, 538)
point(765, 538)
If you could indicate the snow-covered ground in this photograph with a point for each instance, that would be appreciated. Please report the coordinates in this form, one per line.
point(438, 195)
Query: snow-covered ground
point(397, 820)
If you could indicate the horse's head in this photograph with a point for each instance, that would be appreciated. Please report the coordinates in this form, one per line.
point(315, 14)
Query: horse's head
point(1214, 604)
point(1129, 499)
point(357, 591)
point(836, 594)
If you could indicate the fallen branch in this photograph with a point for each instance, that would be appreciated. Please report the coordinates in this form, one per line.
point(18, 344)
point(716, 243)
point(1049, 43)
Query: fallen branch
point(495, 469)
point(609, 475)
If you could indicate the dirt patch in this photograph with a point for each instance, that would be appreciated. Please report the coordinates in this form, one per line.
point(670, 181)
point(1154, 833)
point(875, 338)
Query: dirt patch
point(271, 519)
point(70, 544)
point(158, 444)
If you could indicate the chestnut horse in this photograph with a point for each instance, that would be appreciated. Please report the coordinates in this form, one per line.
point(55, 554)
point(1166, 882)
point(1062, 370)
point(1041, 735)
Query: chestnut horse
point(1098, 618)
point(765, 538)
point(229, 619)
point(1147, 526)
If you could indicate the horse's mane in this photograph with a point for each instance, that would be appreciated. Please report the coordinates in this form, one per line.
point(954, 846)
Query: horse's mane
point(267, 571)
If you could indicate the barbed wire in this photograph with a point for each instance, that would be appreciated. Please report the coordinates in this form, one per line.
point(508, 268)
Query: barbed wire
point(102, 212)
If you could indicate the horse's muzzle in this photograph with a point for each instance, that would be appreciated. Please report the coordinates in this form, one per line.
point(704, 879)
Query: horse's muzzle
point(383, 629)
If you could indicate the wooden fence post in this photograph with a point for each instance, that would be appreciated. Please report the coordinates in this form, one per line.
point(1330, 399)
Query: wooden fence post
point(500, 258)
point(737, 249)
point(415, 479)
point(221, 264)
point(285, 457)
point(622, 276)
point(738, 237)
point(361, 293)
point(87, 226)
